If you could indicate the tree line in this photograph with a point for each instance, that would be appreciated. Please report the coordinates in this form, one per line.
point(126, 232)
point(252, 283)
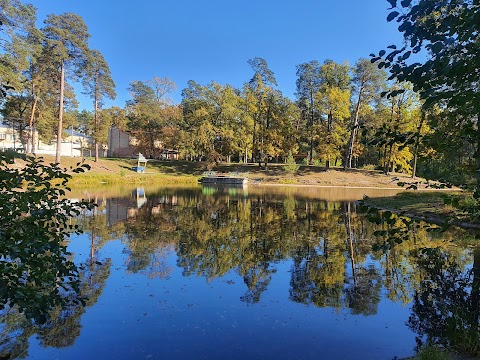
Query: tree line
point(383, 112)
point(38, 68)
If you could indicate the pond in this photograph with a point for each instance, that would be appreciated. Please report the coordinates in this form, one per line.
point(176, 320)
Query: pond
point(253, 273)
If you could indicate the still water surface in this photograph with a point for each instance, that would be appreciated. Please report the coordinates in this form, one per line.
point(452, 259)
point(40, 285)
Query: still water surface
point(251, 274)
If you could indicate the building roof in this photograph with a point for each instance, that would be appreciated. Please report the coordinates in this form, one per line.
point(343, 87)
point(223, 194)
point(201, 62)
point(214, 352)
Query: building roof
point(139, 157)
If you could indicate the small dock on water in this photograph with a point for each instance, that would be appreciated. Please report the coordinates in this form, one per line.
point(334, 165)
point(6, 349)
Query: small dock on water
point(213, 177)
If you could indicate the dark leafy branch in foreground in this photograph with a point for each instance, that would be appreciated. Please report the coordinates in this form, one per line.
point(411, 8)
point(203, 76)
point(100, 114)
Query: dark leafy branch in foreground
point(36, 272)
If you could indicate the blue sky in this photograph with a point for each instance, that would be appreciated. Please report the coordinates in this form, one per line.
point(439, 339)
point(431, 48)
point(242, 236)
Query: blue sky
point(206, 40)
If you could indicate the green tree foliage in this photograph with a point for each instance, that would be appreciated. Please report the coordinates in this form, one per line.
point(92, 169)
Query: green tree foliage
point(215, 111)
point(16, 20)
point(15, 114)
point(84, 121)
point(261, 91)
point(39, 82)
point(367, 81)
point(98, 83)
point(392, 129)
point(26, 66)
point(333, 102)
point(291, 166)
point(447, 33)
point(66, 38)
point(23, 111)
point(307, 86)
point(151, 114)
point(117, 117)
point(36, 272)
point(448, 151)
point(219, 122)
point(40, 88)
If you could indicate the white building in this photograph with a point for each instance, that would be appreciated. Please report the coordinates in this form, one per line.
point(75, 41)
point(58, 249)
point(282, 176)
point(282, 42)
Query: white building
point(9, 138)
point(73, 145)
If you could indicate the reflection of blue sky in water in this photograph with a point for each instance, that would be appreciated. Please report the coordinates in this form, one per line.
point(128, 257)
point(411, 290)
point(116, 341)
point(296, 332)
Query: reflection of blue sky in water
point(163, 310)
point(187, 317)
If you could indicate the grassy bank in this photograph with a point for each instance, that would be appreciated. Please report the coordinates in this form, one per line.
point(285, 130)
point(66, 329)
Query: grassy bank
point(118, 171)
point(431, 206)
point(435, 207)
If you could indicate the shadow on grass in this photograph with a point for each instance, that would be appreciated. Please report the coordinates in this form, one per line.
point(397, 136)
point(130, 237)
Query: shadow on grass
point(183, 167)
point(313, 169)
point(178, 167)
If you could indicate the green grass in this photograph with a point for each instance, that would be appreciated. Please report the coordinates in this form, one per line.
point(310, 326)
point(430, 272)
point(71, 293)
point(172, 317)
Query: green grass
point(134, 179)
point(419, 202)
point(439, 207)
point(288, 181)
point(432, 353)
point(118, 171)
point(176, 168)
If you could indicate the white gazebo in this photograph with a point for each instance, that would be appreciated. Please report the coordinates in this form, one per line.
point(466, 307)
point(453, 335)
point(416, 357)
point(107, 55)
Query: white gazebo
point(141, 163)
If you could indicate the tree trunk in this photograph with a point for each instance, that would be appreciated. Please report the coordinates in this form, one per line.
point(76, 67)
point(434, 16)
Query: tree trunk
point(329, 131)
point(417, 144)
point(30, 127)
point(388, 160)
point(310, 152)
point(33, 141)
point(475, 293)
point(60, 115)
point(92, 235)
point(384, 157)
point(353, 133)
point(477, 154)
point(312, 121)
point(96, 120)
point(348, 227)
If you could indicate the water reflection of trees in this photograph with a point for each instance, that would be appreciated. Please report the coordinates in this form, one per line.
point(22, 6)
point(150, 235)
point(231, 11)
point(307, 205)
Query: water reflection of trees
point(329, 245)
point(333, 265)
point(446, 305)
point(62, 325)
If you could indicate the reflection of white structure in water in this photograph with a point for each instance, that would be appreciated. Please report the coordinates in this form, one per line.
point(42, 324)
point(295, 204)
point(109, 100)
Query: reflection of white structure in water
point(117, 210)
point(139, 195)
point(122, 209)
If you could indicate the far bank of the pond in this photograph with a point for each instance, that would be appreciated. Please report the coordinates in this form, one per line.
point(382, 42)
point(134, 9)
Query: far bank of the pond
point(426, 205)
point(118, 171)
